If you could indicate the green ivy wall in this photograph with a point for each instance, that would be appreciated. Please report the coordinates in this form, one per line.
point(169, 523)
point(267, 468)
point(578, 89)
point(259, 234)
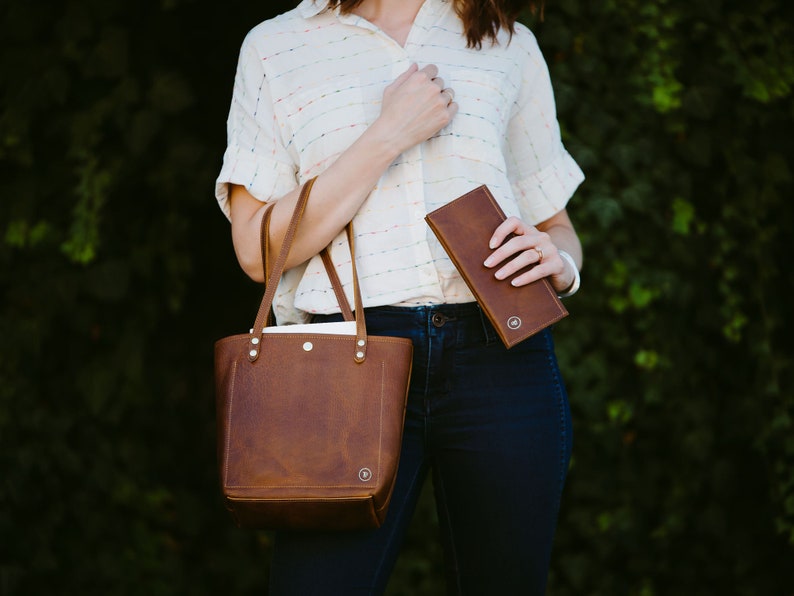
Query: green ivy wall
point(117, 274)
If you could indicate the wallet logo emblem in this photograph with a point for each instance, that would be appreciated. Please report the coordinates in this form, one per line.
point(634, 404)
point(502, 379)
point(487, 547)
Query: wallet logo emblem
point(365, 474)
point(514, 323)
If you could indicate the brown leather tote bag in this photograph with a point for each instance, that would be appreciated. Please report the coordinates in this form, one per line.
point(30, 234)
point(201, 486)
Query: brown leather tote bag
point(310, 421)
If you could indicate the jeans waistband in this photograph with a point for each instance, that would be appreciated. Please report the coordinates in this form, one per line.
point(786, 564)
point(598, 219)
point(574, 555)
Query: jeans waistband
point(466, 309)
point(467, 318)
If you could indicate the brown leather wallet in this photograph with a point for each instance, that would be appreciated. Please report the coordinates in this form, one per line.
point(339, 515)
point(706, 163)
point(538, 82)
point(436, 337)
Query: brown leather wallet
point(464, 227)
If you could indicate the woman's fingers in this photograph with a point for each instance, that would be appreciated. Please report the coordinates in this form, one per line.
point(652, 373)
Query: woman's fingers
point(416, 80)
point(509, 237)
point(404, 76)
point(518, 246)
point(431, 70)
point(512, 225)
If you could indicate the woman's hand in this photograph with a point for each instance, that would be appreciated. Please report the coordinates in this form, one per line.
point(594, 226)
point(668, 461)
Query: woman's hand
point(415, 107)
point(518, 245)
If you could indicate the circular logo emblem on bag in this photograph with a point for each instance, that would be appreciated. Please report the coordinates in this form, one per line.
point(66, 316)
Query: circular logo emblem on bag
point(365, 474)
point(514, 322)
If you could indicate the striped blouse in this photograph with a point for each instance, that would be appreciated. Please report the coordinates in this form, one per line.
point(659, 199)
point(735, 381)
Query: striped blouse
point(310, 81)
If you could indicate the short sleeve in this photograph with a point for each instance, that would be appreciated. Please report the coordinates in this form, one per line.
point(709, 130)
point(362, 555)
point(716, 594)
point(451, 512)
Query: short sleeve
point(542, 173)
point(255, 156)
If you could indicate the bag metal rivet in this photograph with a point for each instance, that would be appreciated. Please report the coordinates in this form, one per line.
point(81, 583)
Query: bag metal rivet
point(359, 354)
point(362, 343)
point(252, 353)
point(308, 346)
point(255, 341)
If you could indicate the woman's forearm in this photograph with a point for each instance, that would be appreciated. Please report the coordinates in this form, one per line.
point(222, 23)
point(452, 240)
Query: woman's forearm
point(415, 106)
point(336, 196)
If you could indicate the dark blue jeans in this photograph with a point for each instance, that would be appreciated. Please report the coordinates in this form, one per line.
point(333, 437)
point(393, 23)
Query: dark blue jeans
point(493, 426)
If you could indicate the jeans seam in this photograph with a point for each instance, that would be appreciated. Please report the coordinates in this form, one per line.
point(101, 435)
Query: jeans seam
point(441, 503)
point(488, 334)
point(561, 406)
point(393, 529)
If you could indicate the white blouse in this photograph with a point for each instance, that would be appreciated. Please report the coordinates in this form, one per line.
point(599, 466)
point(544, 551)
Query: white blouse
point(310, 81)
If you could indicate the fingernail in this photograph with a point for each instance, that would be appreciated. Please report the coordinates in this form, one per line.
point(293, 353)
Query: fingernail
point(492, 244)
point(488, 262)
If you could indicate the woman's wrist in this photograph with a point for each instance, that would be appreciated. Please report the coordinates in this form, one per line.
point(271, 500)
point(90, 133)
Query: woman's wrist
point(382, 142)
point(574, 286)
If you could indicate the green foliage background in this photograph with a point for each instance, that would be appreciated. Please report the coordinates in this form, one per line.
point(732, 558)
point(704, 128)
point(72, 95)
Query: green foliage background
point(117, 274)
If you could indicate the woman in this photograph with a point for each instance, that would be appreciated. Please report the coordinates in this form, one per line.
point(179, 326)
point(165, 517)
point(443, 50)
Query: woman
point(399, 106)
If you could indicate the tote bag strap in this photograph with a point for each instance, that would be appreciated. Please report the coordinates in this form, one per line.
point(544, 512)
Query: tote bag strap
point(336, 284)
point(264, 243)
point(325, 254)
point(361, 339)
point(262, 317)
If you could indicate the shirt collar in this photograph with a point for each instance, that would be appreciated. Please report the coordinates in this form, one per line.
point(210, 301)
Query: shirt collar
point(311, 8)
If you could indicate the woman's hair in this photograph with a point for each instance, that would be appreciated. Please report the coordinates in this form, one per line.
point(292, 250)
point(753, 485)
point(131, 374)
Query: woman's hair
point(481, 18)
